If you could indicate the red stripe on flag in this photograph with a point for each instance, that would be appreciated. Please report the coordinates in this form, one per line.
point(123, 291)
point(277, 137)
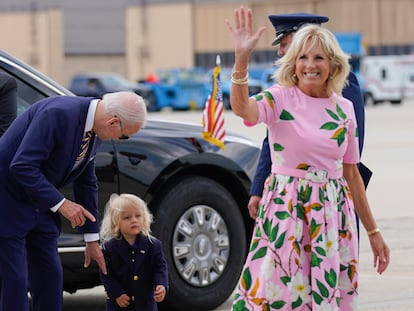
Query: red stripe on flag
point(213, 114)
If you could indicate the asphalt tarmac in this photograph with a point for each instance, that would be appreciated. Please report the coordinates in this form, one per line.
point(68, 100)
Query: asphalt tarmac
point(389, 153)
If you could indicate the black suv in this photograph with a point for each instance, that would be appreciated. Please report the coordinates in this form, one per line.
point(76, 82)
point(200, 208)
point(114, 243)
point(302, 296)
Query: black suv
point(197, 192)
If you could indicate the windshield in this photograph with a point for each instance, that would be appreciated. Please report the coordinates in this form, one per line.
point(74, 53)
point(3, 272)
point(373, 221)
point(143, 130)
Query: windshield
point(114, 82)
point(181, 75)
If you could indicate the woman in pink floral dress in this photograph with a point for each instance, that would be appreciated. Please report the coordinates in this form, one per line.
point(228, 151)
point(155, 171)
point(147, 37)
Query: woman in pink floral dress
point(304, 249)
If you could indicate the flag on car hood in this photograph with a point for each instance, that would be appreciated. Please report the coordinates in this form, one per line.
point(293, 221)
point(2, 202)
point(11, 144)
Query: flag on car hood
point(213, 115)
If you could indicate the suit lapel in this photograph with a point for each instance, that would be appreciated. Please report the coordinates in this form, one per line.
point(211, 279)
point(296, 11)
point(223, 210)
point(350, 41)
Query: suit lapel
point(143, 244)
point(71, 173)
point(125, 251)
point(141, 251)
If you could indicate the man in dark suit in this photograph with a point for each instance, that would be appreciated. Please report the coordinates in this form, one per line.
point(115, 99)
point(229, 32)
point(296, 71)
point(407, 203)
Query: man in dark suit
point(8, 101)
point(45, 148)
point(286, 25)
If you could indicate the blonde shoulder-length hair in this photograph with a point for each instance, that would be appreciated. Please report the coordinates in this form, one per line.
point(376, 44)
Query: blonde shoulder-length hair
point(315, 35)
point(113, 209)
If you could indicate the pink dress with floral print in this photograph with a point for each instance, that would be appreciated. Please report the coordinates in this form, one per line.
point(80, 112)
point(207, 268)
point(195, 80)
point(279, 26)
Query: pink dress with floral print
point(304, 249)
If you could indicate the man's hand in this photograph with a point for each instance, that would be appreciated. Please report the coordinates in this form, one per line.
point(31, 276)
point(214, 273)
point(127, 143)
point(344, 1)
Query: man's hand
point(75, 213)
point(253, 206)
point(93, 251)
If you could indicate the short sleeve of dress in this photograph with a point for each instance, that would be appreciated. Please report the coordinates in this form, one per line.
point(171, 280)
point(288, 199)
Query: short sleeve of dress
point(266, 103)
point(351, 155)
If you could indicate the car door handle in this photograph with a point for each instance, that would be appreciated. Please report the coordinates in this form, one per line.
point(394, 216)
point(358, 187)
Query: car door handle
point(134, 158)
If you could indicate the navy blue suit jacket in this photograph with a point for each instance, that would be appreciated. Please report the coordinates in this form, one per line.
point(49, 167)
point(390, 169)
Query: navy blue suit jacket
point(135, 271)
point(352, 92)
point(38, 153)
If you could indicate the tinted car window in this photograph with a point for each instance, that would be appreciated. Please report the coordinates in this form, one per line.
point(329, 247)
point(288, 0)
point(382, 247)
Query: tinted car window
point(26, 94)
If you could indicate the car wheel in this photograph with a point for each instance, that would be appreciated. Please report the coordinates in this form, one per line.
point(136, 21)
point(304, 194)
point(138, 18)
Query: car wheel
point(369, 100)
point(226, 102)
point(204, 240)
point(151, 102)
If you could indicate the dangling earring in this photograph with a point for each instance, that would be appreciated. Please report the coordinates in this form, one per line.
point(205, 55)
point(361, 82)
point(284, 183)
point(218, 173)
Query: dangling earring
point(330, 77)
point(295, 77)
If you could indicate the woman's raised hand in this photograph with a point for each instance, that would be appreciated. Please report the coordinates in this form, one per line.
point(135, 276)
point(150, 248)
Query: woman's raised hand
point(242, 33)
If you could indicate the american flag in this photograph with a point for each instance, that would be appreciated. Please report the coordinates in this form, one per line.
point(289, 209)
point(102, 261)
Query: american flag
point(213, 115)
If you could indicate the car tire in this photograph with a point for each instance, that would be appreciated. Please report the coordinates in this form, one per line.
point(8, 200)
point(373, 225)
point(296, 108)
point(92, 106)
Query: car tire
point(369, 100)
point(151, 102)
point(201, 216)
point(226, 101)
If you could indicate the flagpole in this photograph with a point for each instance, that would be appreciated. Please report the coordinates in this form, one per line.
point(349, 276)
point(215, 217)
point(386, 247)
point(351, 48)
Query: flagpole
point(216, 72)
point(213, 119)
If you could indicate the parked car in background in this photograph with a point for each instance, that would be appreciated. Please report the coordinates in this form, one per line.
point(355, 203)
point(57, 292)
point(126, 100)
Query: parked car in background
point(97, 84)
point(255, 86)
point(197, 192)
point(387, 78)
point(180, 88)
point(264, 73)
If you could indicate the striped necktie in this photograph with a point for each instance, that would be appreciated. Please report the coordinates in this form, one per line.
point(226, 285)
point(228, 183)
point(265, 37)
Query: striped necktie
point(85, 144)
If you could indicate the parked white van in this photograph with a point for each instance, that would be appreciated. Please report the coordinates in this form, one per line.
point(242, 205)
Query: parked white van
point(387, 78)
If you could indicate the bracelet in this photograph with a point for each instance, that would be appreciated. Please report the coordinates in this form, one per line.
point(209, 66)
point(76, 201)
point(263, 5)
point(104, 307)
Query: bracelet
point(373, 231)
point(240, 81)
